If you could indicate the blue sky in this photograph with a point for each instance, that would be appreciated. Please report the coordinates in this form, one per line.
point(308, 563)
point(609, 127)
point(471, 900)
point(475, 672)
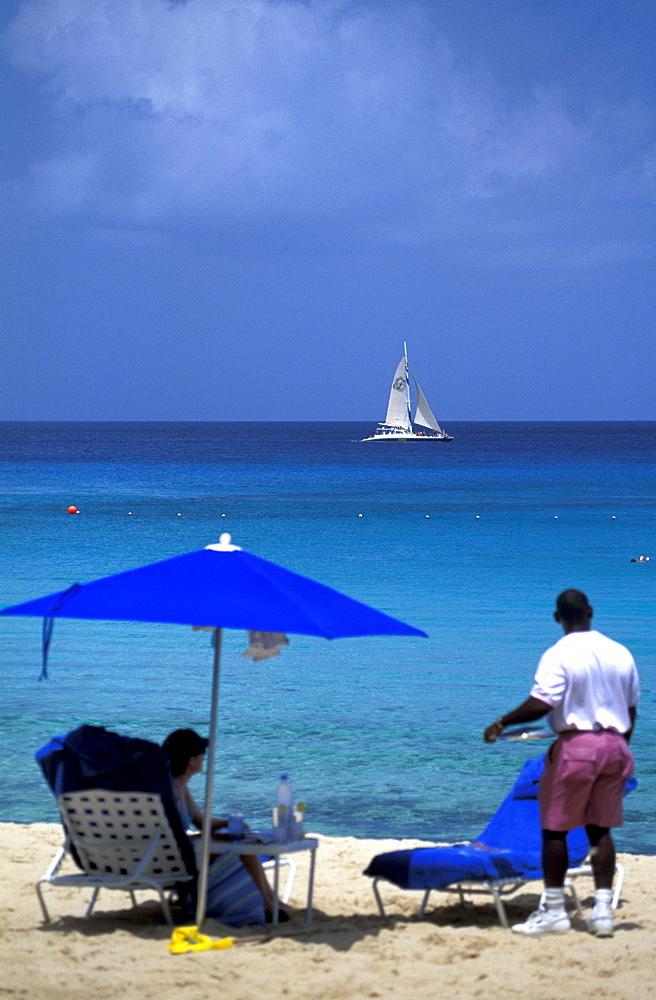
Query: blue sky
point(239, 209)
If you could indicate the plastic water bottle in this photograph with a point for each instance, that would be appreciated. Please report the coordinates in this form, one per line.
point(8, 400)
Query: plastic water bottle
point(285, 805)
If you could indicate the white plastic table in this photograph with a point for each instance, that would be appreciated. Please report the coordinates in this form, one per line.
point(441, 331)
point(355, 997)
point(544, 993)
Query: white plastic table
point(275, 851)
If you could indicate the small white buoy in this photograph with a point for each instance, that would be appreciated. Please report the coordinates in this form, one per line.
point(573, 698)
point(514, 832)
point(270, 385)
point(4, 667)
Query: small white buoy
point(222, 515)
point(555, 517)
point(129, 512)
point(359, 515)
point(179, 515)
point(478, 516)
point(427, 515)
point(613, 517)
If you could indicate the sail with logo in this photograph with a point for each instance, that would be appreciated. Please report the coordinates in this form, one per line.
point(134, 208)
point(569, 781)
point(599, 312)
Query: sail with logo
point(399, 424)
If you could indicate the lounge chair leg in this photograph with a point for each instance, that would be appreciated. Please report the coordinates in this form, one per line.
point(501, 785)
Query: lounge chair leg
point(165, 907)
point(574, 894)
point(39, 892)
point(92, 902)
point(422, 908)
point(288, 863)
point(619, 881)
point(289, 885)
point(379, 902)
point(501, 910)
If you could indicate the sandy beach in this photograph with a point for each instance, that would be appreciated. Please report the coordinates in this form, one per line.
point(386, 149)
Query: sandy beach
point(348, 952)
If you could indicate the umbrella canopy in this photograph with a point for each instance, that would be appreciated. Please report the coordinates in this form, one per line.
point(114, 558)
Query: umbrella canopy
point(221, 587)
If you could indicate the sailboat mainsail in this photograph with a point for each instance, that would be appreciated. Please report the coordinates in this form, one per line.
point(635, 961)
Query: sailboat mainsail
point(398, 409)
point(397, 425)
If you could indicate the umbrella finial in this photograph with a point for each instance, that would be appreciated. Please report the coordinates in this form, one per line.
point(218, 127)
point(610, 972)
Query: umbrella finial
point(224, 544)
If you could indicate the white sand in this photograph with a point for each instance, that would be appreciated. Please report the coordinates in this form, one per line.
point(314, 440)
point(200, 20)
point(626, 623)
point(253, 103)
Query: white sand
point(349, 951)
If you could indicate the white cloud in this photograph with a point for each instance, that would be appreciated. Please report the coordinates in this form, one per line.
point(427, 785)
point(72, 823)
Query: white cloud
point(220, 111)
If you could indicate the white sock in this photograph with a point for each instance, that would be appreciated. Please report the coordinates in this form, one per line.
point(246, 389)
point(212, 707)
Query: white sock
point(554, 899)
point(603, 897)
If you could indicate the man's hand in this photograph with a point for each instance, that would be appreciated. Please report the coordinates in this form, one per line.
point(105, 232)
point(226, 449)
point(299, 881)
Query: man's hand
point(528, 711)
point(493, 732)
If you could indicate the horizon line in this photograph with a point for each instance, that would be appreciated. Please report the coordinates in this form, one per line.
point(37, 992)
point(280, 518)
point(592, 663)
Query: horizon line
point(492, 420)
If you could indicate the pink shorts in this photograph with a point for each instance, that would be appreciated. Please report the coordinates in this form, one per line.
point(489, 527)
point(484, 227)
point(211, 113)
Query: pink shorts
point(583, 780)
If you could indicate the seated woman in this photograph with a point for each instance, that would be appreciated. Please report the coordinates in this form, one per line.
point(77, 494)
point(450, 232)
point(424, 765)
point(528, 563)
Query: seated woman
point(228, 899)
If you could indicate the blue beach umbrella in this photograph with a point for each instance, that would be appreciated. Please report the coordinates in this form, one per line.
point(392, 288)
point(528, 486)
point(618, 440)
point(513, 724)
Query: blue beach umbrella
point(219, 587)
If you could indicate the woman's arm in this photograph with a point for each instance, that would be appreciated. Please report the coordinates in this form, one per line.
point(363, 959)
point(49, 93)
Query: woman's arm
point(197, 817)
point(193, 810)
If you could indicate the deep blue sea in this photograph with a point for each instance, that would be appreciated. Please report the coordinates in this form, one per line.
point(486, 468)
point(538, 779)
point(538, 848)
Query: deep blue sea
point(469, 540)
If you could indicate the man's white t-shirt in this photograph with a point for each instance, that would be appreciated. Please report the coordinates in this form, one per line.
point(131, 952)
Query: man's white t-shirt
point(590, 681)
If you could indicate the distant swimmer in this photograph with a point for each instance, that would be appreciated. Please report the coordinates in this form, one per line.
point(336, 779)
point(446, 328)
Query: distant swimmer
point(642, 559)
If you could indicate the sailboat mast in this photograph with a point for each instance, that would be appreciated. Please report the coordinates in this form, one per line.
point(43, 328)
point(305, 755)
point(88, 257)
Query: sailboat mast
point(407, 384)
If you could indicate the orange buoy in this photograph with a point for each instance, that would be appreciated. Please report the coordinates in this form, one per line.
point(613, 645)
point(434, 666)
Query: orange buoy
point(73, 510)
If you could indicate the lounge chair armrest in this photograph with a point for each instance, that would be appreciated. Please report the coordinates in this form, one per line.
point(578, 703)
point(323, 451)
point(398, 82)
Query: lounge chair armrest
point(147, 855)
point(54, 865)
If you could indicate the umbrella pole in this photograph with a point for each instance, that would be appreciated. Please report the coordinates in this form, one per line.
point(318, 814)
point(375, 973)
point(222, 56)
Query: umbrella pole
point(209, 781)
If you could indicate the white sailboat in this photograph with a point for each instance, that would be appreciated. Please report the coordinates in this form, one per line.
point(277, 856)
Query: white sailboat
point(398, 423)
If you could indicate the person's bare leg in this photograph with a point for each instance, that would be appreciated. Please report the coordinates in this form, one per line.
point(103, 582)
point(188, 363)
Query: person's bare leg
point(253, 866)
point(555, 858)
point(602, 855)
point(551, 916)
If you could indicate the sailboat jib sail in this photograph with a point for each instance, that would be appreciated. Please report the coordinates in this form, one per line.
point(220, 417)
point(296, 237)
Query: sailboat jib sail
point(423, 414)
point(398, 422)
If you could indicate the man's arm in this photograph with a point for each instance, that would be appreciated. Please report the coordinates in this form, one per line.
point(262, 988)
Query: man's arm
point(633, 715)
point(528, 711)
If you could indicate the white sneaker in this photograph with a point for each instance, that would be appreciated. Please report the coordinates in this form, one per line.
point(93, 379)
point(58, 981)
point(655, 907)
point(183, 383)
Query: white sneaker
point(544, 922)
point(600, 921)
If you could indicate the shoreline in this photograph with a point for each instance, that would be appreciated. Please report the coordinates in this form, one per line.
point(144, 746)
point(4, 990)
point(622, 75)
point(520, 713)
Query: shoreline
point(349, 951)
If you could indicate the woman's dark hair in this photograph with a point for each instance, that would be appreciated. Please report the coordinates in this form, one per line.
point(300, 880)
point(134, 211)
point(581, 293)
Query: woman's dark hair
point(180, 746)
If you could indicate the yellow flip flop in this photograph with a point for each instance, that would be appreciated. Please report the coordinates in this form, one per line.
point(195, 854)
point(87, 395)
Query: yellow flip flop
point(186, 939)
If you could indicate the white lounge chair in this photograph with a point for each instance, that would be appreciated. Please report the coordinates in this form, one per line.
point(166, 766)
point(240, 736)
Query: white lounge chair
point(283, 862)
point(119, 840)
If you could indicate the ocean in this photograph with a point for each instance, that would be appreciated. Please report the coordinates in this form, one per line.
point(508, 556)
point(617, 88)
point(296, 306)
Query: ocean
point(470, 541)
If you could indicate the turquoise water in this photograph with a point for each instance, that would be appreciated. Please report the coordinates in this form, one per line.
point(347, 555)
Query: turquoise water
point(470, 541)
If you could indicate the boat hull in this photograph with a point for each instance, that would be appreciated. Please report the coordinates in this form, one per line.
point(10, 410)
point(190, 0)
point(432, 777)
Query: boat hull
point(407, 436)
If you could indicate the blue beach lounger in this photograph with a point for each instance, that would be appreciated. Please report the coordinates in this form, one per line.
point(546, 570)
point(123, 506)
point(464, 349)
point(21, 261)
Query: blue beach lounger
point(505, 856)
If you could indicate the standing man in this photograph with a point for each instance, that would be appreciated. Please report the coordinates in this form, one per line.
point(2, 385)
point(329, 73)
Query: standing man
point(589, 686)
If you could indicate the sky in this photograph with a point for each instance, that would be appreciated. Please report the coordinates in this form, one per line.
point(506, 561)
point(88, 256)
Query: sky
point(240, 209)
